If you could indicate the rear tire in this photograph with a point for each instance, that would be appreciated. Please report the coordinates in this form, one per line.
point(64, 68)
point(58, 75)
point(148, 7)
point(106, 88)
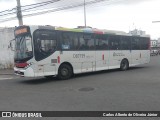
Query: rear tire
point(124, 65)
point(65, 72)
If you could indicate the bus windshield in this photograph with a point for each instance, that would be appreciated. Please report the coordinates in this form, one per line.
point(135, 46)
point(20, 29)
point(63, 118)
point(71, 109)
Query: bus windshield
point(23, 48)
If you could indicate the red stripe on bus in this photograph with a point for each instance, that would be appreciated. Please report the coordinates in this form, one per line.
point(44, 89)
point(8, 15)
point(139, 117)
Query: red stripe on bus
point(58, 59)
point(103, 57)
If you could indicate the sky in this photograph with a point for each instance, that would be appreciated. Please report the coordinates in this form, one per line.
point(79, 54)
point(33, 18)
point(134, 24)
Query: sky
point(122, 15)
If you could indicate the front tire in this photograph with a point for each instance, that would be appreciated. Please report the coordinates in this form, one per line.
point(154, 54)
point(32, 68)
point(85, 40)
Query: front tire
point(124, 65)
point(65, 72)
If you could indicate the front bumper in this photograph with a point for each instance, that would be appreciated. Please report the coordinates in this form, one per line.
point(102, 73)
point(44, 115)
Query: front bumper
point(29, 72)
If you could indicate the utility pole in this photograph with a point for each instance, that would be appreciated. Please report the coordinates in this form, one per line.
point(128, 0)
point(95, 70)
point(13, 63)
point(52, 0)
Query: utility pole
point(85, 13)
point(19, 13)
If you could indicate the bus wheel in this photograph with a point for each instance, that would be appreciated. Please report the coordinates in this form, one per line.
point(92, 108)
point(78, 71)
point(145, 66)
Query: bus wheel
point(124, 65)
point(65, 72)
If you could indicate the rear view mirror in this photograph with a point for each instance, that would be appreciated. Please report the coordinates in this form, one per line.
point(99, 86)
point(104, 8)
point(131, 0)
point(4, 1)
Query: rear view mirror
point(12, 44)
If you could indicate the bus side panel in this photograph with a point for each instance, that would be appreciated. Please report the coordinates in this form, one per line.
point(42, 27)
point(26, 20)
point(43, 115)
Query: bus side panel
point(46, 66)
point(136, 57)
point(73, 58)
point(50, 66)
point(115, 59)
point(81, 61)
point(102, 60)
point(87, 60)
point(145, 56)
point(127, 55)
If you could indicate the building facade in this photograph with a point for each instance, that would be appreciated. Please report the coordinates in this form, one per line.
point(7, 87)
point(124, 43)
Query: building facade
point(137, 32)
point(154, 43)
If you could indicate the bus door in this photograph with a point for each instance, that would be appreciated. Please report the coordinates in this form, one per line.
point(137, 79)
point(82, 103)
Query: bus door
point(102, 52)
point(44, 46)
point(86, 52)
point(115, 53)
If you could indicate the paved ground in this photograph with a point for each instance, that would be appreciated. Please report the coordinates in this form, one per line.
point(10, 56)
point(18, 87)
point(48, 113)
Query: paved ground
point(6, 72)
point(137, 89)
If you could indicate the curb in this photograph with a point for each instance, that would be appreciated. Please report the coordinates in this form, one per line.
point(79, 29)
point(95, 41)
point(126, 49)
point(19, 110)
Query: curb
point(6, 74)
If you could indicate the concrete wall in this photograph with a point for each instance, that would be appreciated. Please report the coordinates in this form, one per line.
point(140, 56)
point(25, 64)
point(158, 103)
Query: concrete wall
point(6, 55)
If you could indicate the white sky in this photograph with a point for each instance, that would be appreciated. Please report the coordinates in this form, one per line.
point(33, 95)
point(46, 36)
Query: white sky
point(123, 15)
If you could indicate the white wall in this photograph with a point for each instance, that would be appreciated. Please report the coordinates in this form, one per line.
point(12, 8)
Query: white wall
point(6, 55)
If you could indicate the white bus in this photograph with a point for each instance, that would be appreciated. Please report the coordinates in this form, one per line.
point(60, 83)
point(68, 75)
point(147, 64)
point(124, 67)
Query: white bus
point(55, 51)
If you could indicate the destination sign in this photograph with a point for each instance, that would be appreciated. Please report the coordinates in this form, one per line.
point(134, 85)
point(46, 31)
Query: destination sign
point(20, 31)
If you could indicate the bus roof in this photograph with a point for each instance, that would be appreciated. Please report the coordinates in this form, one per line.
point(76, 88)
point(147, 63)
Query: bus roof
point(88, 30)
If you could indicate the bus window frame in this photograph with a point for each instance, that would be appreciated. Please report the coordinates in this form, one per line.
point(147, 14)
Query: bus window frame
point(105, 37)
point(38, 56)
point(127, 38)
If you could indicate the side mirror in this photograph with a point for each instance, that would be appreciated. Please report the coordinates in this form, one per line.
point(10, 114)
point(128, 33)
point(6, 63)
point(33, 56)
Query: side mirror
point(12, 44)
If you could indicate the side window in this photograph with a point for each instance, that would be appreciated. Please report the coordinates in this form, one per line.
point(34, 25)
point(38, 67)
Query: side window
point(135, 43)
point(69, 41)
point(86, 42)
point(114, 43)
point(75, 41)
point(89, 41)
point(126, 43)
point(47, 46)
point(145, 43)
point(44, 43)
point(82, 44)
point(101, 42)
point(66, 41)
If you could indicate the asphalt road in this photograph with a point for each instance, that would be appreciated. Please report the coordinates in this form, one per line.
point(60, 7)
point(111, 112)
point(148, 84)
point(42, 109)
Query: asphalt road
point(136, 89)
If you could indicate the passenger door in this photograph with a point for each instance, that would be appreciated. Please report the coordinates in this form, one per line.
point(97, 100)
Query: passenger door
point(45, 44)
point(102, 52)
point(87, 50)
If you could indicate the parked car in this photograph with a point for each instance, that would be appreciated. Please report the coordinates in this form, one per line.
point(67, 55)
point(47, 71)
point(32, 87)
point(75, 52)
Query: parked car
point(155, 52)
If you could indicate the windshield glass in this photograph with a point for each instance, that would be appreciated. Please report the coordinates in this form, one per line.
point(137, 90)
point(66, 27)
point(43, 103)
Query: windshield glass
point(23, 48)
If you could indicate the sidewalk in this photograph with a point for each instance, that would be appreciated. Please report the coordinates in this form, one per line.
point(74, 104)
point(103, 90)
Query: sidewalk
point(6, 72)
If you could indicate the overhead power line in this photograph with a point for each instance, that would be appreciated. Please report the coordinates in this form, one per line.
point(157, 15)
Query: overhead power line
point(8, 19)
point(8, 10)
point(52, 10)
point(63, 8)
point(6, 14)
point(40, 5)
point(13, 11)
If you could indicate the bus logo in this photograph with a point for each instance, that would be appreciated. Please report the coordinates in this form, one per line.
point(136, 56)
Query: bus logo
point(6, 114)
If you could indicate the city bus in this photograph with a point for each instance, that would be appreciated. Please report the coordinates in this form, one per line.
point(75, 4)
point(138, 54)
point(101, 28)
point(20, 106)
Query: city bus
point(56, 51)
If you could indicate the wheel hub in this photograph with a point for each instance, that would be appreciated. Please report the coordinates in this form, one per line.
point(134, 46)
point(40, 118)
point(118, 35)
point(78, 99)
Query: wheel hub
point(64, 72)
